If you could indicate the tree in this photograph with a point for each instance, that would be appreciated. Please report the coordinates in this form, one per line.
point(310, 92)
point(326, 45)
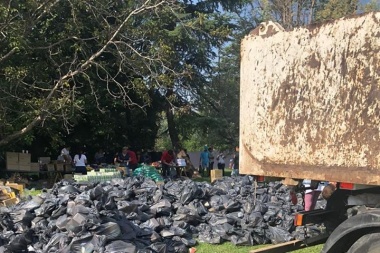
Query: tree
point(52, 51)
point(190, 46)
point(334, 9)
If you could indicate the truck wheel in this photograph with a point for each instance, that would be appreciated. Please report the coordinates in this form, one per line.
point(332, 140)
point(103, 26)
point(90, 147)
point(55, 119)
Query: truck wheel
point(369, 243)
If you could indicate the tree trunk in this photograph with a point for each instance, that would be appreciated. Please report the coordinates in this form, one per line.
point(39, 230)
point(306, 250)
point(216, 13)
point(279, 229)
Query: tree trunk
point(173, 132)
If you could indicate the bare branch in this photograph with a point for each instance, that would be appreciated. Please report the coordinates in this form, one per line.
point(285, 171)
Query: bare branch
point(44, 110)
point(9, 54)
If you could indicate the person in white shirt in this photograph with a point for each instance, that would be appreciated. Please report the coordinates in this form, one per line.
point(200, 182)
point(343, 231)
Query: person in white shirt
point(221, 162)
point(80, 161)
point(65, 155)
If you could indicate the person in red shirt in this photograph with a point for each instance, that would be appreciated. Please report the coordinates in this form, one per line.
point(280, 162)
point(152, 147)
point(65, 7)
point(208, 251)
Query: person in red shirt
point(133, 163)
point(167, 159)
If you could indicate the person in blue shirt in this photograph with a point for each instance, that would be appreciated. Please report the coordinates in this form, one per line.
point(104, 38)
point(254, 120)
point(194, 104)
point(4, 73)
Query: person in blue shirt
point(204, 161)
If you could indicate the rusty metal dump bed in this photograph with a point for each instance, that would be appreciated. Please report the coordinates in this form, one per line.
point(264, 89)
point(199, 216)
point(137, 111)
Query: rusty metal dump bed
point(310, 101)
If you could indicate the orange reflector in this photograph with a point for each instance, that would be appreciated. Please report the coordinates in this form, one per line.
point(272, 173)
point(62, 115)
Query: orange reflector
point(260, 178)
point(298, 219)
point(347, 186)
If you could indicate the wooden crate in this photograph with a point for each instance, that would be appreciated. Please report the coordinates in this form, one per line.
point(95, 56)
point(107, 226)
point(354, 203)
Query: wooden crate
point(216, 174)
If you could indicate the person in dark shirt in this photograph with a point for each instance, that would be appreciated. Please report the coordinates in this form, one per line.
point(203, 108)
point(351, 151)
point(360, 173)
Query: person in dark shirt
point(145, 157)
point(167, 161)
point(235, 164)
point(123, 160)
point(100, 157)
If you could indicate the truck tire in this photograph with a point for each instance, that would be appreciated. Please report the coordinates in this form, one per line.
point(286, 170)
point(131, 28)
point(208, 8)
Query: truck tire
point(369, 243)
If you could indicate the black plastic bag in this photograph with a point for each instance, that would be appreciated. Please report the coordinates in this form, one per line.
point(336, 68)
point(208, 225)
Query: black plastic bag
point(255, 219)
point(45, 209)
point(223, 230)
point(209, 236)
point(278, 235)
point(176, 246)
point(245, 240)
point(86, 243)
point(232, 206)
point(173, 231)
point(23, 216)
point(68, 189)
point(159, 247)
point(152, 223)
point(32, 204)
point(189, 193)
point(20, 242)
point(61, 210)
point(120, 247)
point(58, 240)
point(110, 229)
point(198, 208)
point(259, 236)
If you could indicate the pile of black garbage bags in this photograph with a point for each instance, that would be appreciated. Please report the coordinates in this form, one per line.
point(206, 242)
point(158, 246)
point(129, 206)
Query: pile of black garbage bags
point(137, 215)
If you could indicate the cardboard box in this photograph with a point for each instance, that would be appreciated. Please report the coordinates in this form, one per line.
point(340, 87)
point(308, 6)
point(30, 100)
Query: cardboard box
point(44, 159)
point(69, 168)
point(12, 166)
point(24, 167)
point(181, 162)
point(216, 174)
point(68, 176)
point(18, 187)
point(50, 167)
point(24, 158)
point(12, 157)
point(59, 166)
point(35, 167)
point(9, 202)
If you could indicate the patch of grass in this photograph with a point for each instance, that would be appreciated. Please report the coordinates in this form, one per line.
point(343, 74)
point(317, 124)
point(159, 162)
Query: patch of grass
point(228, 247)
point(31, 193)
point(313, 249)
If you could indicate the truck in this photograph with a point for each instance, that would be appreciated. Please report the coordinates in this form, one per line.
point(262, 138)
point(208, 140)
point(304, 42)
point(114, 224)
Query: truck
point(310, 109)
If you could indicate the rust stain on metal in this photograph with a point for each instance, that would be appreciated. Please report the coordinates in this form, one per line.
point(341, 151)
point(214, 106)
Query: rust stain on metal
point(310, 101)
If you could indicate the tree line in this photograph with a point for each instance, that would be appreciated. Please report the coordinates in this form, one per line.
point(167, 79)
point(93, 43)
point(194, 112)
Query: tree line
point(151, 73)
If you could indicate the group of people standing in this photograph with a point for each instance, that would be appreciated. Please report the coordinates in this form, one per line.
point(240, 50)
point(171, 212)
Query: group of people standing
point(128, 159)
point(207, 159)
